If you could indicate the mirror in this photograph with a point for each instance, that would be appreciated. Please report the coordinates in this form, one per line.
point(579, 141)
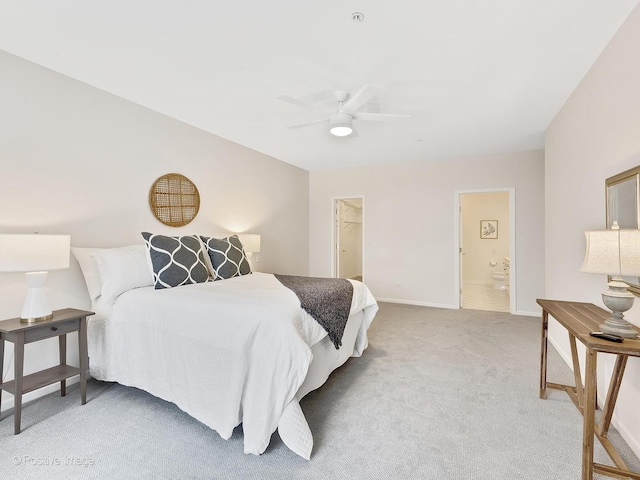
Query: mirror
point(623, 206)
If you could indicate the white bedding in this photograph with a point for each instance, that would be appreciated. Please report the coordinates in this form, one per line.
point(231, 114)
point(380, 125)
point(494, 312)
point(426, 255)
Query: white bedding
point(227, 352)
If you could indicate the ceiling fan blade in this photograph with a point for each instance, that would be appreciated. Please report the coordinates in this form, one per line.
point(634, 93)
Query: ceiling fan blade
point(379, 117)
point(360, 98)
point(307, 124)
point(297, 103)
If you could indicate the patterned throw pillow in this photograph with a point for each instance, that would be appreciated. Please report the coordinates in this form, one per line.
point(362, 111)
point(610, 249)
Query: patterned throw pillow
point(176, 261)
point(227, 257)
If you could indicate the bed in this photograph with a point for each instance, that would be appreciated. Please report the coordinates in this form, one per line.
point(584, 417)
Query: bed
point(231, 352)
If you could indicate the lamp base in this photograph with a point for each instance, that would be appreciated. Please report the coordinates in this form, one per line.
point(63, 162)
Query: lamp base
point(36, 319)
point(618, 299)
point(623, 330)
point(36, 306)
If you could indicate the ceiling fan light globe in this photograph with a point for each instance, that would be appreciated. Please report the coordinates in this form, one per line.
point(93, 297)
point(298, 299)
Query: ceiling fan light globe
point(340, 124)
point(341, 130)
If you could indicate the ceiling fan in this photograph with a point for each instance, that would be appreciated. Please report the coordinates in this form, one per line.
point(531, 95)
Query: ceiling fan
point(341, 122)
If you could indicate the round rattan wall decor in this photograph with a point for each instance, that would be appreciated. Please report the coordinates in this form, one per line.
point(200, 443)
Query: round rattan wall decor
point(174, 200)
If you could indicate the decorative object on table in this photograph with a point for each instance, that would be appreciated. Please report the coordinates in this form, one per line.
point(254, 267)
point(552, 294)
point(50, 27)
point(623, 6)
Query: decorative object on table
point(174, 200)
point(614, 252)
point(34, 254)
point(488, 229)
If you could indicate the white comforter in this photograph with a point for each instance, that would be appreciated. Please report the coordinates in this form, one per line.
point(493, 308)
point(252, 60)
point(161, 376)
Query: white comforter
point(227, 352)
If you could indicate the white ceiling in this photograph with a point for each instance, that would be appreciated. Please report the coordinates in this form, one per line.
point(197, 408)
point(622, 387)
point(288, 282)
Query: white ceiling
point(476, 77)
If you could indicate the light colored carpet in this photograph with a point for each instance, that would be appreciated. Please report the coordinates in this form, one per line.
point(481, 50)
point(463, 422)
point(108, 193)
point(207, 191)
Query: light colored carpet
point(439, 394)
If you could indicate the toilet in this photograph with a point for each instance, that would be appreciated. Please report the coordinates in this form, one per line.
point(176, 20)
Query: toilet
point(501, 278)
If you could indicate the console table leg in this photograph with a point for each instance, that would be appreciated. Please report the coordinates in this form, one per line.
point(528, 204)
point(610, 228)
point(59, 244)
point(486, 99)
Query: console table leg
point(1, 365)
point(612, 394)
point(62, 343)
point(84, 359)
point(543, 355)
point(576, 371)
point(589, 415)
point(18, 363)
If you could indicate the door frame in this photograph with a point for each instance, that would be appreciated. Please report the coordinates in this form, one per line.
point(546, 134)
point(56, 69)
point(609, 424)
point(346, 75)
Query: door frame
point(334, 246)
point(512, 243)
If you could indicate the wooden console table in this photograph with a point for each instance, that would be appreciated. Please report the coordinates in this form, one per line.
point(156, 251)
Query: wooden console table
point(580, 319)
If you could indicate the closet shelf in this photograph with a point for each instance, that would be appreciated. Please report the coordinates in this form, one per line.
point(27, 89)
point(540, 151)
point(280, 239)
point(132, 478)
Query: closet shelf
point(351, 225)
point(352, 205)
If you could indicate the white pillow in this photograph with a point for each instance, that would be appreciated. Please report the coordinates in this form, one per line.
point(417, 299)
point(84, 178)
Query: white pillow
point(90, 270)
point(122, 269)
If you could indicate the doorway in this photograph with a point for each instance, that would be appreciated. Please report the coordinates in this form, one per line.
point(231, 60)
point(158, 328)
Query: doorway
point(485, 243)
point(348, 238)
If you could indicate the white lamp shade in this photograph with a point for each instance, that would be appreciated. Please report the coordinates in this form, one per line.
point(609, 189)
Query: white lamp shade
point(612, 252)
point(33, 252)
point(250, 242)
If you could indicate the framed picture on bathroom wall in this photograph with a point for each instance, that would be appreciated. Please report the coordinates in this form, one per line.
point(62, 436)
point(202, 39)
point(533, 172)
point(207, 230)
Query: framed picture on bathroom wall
point(488, 229)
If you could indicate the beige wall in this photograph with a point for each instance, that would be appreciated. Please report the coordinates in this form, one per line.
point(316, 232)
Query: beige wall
point(594, 136)
point(77, 160)
point(411, 223)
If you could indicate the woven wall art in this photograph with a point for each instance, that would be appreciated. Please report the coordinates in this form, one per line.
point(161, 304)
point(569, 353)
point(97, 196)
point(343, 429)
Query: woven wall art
point(174, 200)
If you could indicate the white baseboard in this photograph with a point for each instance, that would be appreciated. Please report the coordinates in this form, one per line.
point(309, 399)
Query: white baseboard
point(442, 305)
point(633, 442)
point(413, 302)
point(565, 355)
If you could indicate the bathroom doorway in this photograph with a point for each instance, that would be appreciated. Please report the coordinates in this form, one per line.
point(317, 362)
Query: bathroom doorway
point(486, 230)
point(348, 238)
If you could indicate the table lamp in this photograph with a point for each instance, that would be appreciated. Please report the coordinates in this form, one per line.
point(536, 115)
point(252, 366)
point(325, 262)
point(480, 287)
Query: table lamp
point(614, 252)
point(34, 254)
point(250, 243)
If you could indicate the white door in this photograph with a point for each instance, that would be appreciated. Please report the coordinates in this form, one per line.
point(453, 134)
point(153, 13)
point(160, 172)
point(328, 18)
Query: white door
point(348, 237)
point(479, 256)
point(460, 257)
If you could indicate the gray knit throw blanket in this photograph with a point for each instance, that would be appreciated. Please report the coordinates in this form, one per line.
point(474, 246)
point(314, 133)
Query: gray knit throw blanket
point(327, 300)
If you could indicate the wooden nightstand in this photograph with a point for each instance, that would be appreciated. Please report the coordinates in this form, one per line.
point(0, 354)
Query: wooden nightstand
point(63, 322)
